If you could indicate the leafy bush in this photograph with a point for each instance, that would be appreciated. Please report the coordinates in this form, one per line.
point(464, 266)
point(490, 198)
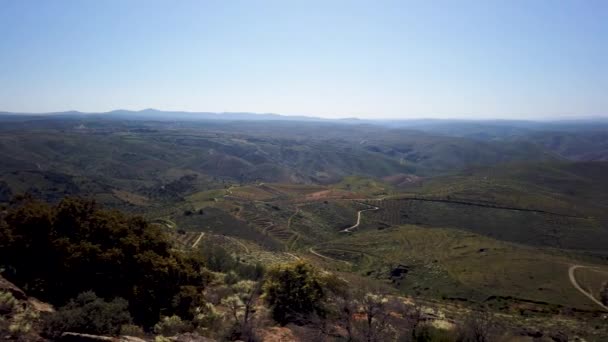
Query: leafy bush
point(207, 317)
point(90, 314)
point(187, 301)
point(16, 319)
point(218, 259)
point(8, 303)
point(56, 252)
point(173, 325)
point(132, 330)
point(293, 292)
point(231, 278)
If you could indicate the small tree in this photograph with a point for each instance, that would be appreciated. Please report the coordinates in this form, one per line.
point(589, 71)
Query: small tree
point(372, 317)
point(346, 309)
point(294, 291)
point(376, 326)
point(241, 309)
point(478, 327)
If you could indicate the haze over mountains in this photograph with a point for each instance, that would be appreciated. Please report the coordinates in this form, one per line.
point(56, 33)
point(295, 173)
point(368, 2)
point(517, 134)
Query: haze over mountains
point(576, 139)
point(152, 113)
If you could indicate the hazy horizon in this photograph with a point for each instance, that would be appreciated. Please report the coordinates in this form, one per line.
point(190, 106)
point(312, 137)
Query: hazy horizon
point(370, 60)
point(313, 116)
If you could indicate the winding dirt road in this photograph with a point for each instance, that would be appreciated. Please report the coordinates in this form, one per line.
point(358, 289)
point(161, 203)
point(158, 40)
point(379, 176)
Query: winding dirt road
point(311, 250)
point(345, 230)
point(580, 289)
point(350, 229)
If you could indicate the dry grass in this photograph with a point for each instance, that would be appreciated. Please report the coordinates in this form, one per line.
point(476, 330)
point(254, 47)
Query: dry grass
point(452, 263)
point(132, 198)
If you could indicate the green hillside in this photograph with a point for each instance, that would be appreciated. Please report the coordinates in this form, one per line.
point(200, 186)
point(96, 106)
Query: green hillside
point(447, 220)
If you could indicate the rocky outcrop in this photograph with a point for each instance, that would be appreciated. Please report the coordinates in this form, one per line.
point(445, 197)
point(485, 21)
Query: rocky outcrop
point(7, 286)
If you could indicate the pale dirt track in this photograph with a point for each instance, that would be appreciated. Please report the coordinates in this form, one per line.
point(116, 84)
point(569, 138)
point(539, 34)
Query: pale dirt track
point(345, 230)
point(293, 256)
point(350, 229)
point(311, 250)
point(198, 240)
point(580, 289)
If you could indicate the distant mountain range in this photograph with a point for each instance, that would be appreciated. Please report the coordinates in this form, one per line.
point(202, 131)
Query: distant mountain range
point(151, 113)
point(154, 114)
point(483, 129)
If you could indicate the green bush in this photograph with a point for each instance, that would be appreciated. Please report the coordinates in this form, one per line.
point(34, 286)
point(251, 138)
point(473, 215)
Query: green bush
point(89, 314)
point(187, 301)
point(218, 259)
point(16, 319)
point(293, 292)
point(231, 278)
point(8, 303)
point(57, 252)
point(132, 330)
point(207, 318)
point(173, 325)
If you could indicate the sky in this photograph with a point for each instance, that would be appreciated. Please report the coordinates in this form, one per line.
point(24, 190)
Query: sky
point(521, 59)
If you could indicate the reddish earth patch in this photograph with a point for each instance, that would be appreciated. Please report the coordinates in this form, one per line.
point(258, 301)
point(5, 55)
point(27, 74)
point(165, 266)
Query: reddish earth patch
point(402, 179)
point(331, 194)
point(278, 334)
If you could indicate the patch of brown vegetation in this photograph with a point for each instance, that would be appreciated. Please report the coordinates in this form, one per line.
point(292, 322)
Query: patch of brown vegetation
point(331, 194)
point(278, 334)
point(131, 198)
point(40, 306)
point(402, 179)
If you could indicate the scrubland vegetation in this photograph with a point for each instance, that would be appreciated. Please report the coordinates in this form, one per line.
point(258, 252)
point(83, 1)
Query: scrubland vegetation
point(235, 231)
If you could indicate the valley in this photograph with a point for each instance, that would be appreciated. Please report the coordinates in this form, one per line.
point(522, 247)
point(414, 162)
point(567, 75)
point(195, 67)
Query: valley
point(508, 225)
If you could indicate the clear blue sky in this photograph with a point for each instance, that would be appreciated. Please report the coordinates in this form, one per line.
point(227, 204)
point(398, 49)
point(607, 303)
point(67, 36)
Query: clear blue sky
point(373, 59)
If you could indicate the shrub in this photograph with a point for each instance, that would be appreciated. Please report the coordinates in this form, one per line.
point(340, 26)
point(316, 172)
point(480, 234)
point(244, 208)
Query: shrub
point(16, 319)
point(8, 303)
point(207, 317)
point(479, 326)
point(89, 314)
point(173, 325)
point(131, 330)
point(57, 252)
point(375, 326)
point(428, 333)
point(218, 259)
point(293, 292)
point(241, 310)
point(231, 278)
point(187, 301)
